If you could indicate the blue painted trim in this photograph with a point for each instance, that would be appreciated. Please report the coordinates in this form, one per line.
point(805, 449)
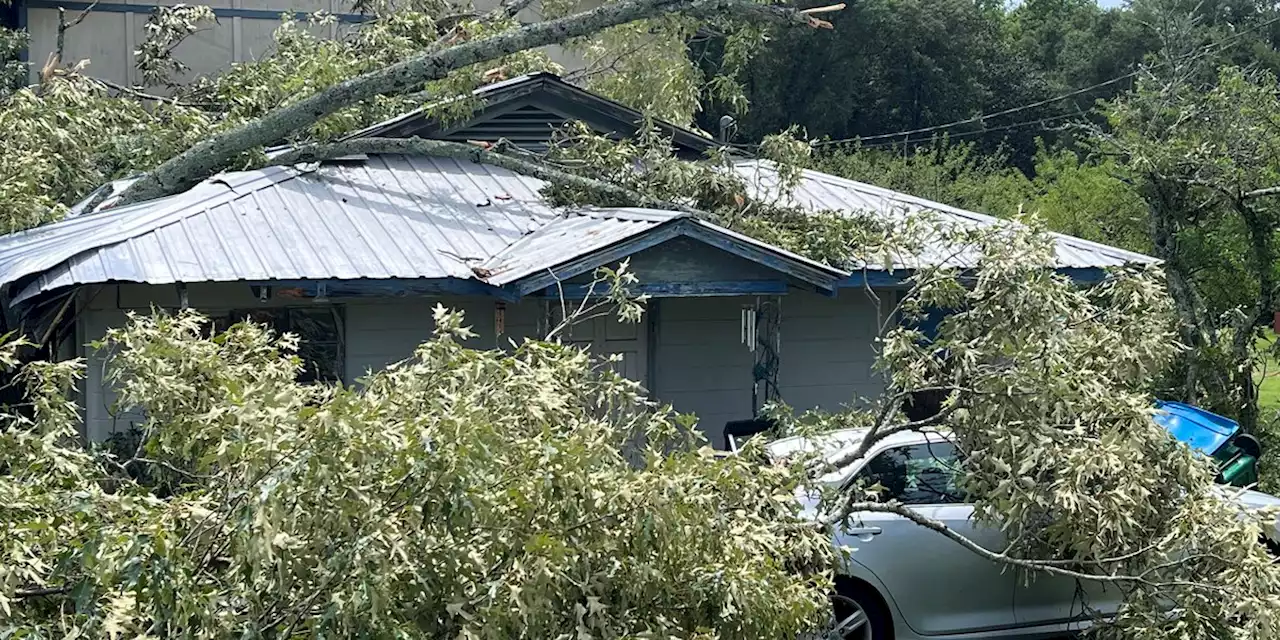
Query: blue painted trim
point(223, 12)
point(1085, 275)
point(398, 288)
point(798, 270)
point(679, 289)
point(876, 279)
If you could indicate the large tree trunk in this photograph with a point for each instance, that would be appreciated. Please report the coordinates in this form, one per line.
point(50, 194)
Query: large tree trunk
point(1262, 254)
point(186, 169)
point(480, 155)
point(1163, 201)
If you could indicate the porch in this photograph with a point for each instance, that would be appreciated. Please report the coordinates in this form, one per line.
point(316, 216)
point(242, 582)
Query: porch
point(811, 350)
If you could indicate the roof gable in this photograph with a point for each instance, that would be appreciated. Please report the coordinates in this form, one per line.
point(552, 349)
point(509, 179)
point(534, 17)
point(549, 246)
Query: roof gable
point(525, 110)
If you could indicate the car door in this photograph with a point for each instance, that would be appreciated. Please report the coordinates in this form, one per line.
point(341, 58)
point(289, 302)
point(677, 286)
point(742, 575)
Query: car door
point(938, 586)
point(1042, 600)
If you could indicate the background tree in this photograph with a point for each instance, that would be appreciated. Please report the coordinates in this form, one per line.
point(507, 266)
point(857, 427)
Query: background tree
point(1201, 152)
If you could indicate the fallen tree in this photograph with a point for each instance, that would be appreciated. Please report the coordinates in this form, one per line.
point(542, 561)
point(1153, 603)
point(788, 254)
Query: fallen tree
point(312, 90)
point(471, 482)
point(456, 494)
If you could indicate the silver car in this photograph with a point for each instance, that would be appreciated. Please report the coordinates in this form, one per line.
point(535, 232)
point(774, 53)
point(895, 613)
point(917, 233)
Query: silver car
point(904, 581)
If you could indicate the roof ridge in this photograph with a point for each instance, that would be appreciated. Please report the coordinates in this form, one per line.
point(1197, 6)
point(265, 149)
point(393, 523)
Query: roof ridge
point(974, 216)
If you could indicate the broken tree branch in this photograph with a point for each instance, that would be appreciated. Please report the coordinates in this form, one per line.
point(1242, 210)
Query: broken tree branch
point(63, 26)
point(1054, 567)
point(189, 167)
point(41, 592)
point(143, 95)
point(475, 153)
point(1258, 193)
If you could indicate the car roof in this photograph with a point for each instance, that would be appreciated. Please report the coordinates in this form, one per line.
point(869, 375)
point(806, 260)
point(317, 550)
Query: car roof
point(833, 443)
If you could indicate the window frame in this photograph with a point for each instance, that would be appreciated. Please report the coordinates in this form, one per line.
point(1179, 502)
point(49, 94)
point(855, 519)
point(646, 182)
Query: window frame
point(948, 463)
point(282, 321)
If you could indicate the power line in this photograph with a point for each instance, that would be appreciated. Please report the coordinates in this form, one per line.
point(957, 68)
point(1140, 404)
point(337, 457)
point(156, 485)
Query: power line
point(979, 119)
point(980, 132)
point(1039, 103)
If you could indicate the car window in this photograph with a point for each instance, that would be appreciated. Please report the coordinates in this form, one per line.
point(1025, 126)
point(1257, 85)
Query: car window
point(915, 474)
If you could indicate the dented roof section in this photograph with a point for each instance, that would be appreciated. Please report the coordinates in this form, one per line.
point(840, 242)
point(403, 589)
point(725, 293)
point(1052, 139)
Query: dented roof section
point(385, 217)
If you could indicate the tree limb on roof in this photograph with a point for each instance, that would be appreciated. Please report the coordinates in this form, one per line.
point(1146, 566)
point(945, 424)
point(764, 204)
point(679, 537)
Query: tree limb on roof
point(202, 160)
point(482, 153)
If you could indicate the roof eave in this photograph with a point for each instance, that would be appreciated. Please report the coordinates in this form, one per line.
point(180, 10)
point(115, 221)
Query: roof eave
point(820, 277)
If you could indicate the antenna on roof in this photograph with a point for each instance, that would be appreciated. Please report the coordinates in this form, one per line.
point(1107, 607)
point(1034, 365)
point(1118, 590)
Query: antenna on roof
point(728, 126)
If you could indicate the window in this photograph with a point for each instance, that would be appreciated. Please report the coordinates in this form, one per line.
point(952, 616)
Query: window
point(320, 333)
point(915, 474)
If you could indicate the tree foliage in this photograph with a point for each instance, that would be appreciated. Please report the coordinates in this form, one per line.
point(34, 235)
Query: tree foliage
point(65, 133)
point(459, 493)
point(1050, 399)
point(490, 494)
point(1200, 150)
point(713, 190)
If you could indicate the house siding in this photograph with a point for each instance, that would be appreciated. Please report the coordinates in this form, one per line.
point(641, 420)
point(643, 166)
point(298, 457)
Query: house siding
point(700, 363)
point(380, 333)
point(828, 349)
point(376, 333)
point(109, 36)
point(702, 367)
point(693, 353)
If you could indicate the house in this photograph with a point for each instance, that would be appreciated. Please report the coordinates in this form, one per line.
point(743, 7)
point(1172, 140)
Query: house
point(243, 30)
point(353, 254)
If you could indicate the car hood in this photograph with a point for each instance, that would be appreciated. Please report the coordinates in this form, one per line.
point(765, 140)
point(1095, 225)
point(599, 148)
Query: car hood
point(1251, 501)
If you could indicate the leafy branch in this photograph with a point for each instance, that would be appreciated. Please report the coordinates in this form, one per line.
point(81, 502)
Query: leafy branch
point(200, 161)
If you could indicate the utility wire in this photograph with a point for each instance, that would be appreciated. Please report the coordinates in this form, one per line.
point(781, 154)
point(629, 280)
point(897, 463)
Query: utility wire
point(1040, 103)
point(984, 131)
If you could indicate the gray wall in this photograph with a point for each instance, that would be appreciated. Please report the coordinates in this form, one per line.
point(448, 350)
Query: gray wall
point(695, 356)
point(378, 332)
point(828, 348)
point(108, 39)
point(702, 367)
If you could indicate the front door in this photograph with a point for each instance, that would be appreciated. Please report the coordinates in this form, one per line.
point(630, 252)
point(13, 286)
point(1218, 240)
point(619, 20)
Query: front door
point(937, 585)
point(606, 335)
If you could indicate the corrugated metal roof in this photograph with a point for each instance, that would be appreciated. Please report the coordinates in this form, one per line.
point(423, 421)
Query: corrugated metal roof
point(384, 217)
point(387, 217)
point(822, 191)
point(576, 234)
point(399, 217)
